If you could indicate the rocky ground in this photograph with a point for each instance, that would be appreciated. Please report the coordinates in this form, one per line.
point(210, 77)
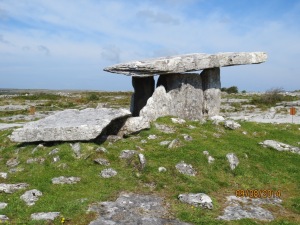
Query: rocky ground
point(132, 208)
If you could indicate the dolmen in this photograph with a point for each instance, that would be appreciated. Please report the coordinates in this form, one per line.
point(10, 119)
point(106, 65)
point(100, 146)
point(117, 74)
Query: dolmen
point(178, 92)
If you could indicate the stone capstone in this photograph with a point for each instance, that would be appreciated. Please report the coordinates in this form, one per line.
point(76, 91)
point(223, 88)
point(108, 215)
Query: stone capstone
point(45, 215)
point(69, 125)
point(279, 146)
point(199, 199)
point(132, 208)
point(186, 63)
point(30, 197)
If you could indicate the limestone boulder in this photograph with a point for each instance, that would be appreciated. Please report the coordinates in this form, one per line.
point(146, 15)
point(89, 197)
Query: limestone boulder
point(186, 63)
point(132, 208)
point(134, 125)
point(197, 200)
point(69, 125)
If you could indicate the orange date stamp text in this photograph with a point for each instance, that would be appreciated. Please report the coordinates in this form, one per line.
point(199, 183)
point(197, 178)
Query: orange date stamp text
point(257, 193)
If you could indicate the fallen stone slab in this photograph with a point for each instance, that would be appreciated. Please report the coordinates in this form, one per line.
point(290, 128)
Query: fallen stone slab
point(197, 200)
point(69, 125)
point(186, 63)
point(279, 146)
point(65, 180)
point(11, 188)
point(31, 196)
point(243, 207)
point(133, 209)
point(45, 215)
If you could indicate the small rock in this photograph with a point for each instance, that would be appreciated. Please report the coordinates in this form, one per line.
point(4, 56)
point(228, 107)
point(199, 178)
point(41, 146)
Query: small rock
point(63, 166)
point(174, 144)
point(101, 149)
point(143, 141)
point(108, 173)
point(217, 119)
point(163, 143)
point(30, 197)
point(127, 154)
point(178, 120)
point(186, 169)
point(54, 151)
point(37, 148)
point(246, 156)
point(11, 188)
point(3, 175)
point(56, 159)
point(164, 128)
point(142, 161)
point(33, 160)
point(152, 137)
point(206, 153)
point(139, 148)
point(232, 125)
point(199, 199)
point(162, 169)
point(76, 149)
point(134, 125)
point(3, 218)
point(101, 161)
point(191, 127)
point(187, 137)
point(3, 205)
point(233, 160)
point(13, 162)
point(210, 159)
point(45, 216)
point(65, 180)
point(16, 170)
point(245, 132)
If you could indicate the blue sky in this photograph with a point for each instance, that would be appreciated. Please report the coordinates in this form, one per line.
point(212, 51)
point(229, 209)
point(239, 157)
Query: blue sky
point(64, 44)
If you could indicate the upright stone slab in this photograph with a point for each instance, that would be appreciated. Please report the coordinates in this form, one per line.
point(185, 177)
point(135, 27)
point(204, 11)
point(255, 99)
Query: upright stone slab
point(211, 91)
point(178, 95)
point(143, 90)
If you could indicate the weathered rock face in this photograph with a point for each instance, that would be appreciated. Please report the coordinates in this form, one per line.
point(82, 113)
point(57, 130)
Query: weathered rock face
point(69, 125)
point(186, 63)
point(143, 90)
point(133, 209)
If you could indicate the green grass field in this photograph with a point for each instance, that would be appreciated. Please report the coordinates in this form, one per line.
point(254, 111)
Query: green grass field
point(260, 168)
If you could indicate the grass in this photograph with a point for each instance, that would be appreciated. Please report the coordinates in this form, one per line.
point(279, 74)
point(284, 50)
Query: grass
point(263, 169)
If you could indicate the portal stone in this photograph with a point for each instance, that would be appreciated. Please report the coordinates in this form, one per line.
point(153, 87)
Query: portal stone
point(211, 91)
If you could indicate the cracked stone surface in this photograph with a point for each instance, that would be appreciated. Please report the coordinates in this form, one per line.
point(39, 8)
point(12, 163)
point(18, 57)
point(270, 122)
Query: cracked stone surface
point(243, 207)
point(133, 209)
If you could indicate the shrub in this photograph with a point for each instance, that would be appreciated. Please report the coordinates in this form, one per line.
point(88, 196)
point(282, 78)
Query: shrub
point(271, 97)
point(231, 90)
point(92, 97)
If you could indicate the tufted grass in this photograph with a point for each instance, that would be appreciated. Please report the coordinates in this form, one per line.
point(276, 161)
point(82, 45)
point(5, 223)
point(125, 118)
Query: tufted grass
point(263, 168)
